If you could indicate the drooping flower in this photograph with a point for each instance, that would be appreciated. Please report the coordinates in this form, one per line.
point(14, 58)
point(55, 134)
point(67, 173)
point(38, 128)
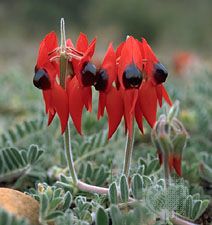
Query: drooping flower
point(75, 93)
point(152, 90)
point(47, 73)
point(140, 77)
point(84, 75)
point(109, 96)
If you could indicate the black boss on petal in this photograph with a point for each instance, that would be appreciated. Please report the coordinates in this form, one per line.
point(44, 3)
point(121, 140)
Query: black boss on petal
point(101, 80)
point(132, 77)
point(160, 73)
point(88, 74)
point(41, 79)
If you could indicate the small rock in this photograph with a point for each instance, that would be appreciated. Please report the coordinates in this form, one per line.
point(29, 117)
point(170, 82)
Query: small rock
point(20, 205)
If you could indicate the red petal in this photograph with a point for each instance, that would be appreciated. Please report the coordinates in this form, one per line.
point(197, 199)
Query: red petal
point(109, 64)
point(75, 102)
point(42, 55)
point(114, 107)
point(69, 43)
point(138, 116)
point(148, 102)
point(129, 97)
point(59, 102)
point(47, 99)
point(87, 97)
point(86, 58)
point(166, 96)
point(101, 106)
point(51, 117)
point(52, 70)
point(51, 41)
point(149, 57)
point(47, 45)
point(148, 52)
point(91, 48)
point(130, 54)
point(119, 49)
point(159, 94)
point(82, 43)
point(177, 164)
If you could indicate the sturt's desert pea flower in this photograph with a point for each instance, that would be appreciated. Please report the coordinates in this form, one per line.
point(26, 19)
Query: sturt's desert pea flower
point(109, 96)
point(75, 93)
point(134, 68)
point(140, 78)
point(84, 75)
point(47, 72)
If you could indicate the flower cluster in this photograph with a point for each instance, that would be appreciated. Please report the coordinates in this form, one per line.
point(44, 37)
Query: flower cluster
point(129, 81)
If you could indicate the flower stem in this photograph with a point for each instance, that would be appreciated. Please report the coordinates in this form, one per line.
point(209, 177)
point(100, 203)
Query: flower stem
point(91, 188)
point(179, 221)
point(67, 141)
point(128, 153)
point(63, 35)
point(69, 156)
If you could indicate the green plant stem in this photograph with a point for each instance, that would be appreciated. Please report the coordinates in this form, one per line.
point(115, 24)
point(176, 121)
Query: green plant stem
point(67, 141)
point(91, 188)
point(69, 156)
point(128, 153)
point(178, 221)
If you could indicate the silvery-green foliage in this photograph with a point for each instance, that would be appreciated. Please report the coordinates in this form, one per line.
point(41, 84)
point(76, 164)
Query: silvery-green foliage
point(15, 163)
point(9, 219)
point(175, 198)
point(148, 166)
point(53, 201)
point(205, 168)
point(83, 209)
point(20, 132)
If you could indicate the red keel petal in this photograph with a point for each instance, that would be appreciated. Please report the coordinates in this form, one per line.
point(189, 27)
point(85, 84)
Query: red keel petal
point(82, 43)
point(76, 103)
point(102, 103)
point(148, 102)
point(59, 102)
point(139, 116)
point(166, 96)
point(130, 98)
point(114, 107)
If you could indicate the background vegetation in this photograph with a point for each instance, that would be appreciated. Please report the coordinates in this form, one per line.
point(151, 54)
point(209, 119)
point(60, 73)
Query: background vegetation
point(170, 26)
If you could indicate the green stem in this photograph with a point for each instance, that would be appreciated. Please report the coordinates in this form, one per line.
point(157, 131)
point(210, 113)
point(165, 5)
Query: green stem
point(128, 153)
point(179, 221)
point(69, 156)
point(67, 139)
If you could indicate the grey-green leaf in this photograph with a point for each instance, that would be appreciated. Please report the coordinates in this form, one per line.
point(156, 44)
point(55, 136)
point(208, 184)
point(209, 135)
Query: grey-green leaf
point(113, 193)
point(137, 186)
point(101, 217)
point(116, 216)
point(124, 189)
point(53, 215)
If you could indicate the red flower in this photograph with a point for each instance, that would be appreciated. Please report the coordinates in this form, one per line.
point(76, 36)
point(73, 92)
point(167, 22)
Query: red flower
point(109, 96)
point(46, 74)
point(79, 87)
point(77, 93)
point(140, 77)
point(152, 90)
